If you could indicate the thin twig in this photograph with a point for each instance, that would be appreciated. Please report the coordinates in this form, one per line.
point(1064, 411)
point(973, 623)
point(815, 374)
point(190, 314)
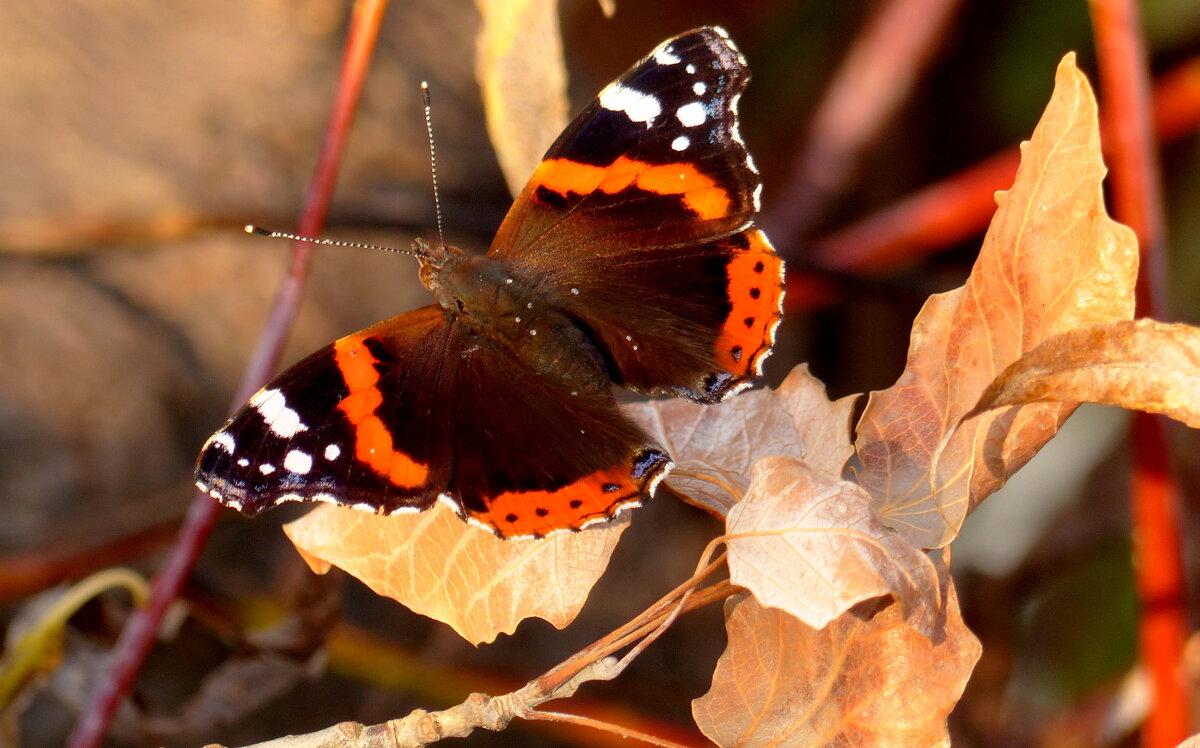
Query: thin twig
point(141, 631)
point(596, 724)
point(1138, 202)
point(35, 570)
point(623, 635)
point(420, 727)
point(872, 82)
point(704, 567)
point(961, 205)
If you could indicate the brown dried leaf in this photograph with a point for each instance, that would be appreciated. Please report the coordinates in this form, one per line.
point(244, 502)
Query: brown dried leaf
point(714, 447)
point(520, 67)
point(1052, 261)
point(864, 680)
point(437, 565)
point(810, 544)
point(1142, 365)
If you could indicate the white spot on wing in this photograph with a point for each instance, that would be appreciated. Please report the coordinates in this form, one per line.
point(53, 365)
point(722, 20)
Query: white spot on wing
point(664, 56)
point(297, 462)
point(332, 452)
point(637, 106)
point(266, 468)
point(453, 505)
point(699, 88)
point(734, 390)
point(223, 440)
point(692, 114)
point(681, 143)
point(691, 69)
point(243, 462)
point(652, 486)
point(282, 420)
point(733, 107)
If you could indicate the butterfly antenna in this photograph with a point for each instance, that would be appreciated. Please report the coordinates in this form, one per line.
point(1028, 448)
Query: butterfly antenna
point(260, 231)
point(437, 202)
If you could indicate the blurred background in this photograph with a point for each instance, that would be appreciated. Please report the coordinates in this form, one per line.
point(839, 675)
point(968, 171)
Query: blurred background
point(138, 137)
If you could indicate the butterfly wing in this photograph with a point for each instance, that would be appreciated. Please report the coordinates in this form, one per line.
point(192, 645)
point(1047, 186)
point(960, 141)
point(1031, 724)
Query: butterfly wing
point(420, 408)
point(639, 223)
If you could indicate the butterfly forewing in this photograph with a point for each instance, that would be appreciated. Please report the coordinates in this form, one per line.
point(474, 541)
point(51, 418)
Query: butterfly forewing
point(638, 221)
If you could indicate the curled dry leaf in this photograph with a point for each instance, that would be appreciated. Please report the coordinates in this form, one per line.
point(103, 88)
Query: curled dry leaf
point(519, 64)
point(1052, 261)
point(810, 544)
point(437, 565)
point(714, 447)
point(867, 679)
point(1141, 365)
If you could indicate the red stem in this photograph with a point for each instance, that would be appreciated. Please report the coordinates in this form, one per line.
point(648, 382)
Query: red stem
point(960, 206)
point(23, 574)
point(1138, 202)
point(872, 82)
point(140, 632)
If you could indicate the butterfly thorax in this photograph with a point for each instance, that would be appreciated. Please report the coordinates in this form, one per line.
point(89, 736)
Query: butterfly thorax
point(497, 308)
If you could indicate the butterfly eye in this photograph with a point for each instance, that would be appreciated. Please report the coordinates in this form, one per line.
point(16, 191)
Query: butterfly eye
point(461, 306)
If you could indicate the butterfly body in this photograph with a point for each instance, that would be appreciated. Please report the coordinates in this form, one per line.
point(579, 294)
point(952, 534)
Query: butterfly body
point(496, 308)
point(629, 259)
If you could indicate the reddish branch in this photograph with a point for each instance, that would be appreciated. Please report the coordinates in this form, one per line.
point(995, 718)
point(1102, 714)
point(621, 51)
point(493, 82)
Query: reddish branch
point(27, 573)
point(139, 634)
point(960, 206)
point(1137, 197)
point(872, 82)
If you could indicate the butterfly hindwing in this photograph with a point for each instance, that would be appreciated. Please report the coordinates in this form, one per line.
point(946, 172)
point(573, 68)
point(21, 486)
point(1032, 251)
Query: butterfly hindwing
point(420, 408)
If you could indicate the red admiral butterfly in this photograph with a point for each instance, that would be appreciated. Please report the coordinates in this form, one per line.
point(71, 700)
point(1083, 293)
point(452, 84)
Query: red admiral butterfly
point(630, 258)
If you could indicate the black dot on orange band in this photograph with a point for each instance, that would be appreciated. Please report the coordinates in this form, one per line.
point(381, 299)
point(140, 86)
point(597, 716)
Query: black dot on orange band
point(510, 518)
point(758, 266)
point(755, 293)
point(749, 322)
point(611, 487)
point(736, 352)
point(576, 503)
point(541, 511)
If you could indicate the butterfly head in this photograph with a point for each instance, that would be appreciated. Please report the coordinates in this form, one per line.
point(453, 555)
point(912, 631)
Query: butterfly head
point(437, 261)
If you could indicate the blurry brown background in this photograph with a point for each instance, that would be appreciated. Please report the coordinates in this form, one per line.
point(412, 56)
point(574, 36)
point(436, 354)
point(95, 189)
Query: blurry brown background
point(137, 137)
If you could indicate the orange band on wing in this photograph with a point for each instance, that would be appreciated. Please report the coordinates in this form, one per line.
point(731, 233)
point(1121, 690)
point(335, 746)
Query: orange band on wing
point(594, 497)
point(756, 294)
point(700, 193)
point(373, 444)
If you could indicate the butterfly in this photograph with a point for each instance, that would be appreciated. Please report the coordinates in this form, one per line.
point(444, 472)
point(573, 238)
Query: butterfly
point(629, 259)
